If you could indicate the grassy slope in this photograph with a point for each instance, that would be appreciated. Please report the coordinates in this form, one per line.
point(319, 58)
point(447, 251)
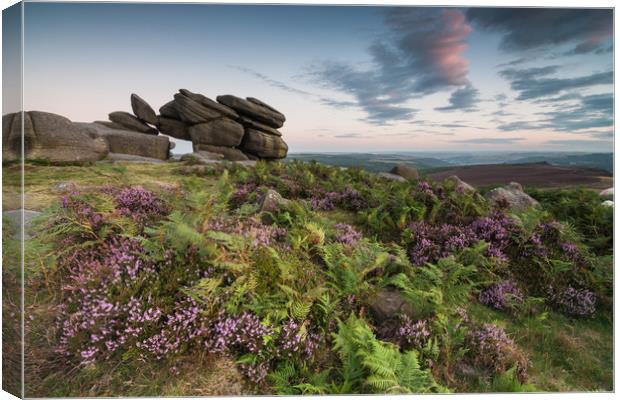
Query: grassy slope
point(566, 354)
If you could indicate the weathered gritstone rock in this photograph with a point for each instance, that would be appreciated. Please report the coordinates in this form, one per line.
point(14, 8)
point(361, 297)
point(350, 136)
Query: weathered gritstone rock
point(207, 102)
point(218, 132)
point(130, 142)
point(259, 112)
point(169, 110)
point(513, 196)
point(263, 144)
point(229, 153)
point(193, 112)
point(405, 171)
point(248, 123)
point(49, 137)
point(143, 110)
point(607, 193)
point(390, 176)
point(131, 122)
point(173, 127)
point(459, 185)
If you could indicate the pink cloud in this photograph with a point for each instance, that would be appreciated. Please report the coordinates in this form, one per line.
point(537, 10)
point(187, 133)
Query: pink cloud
point(448, 47)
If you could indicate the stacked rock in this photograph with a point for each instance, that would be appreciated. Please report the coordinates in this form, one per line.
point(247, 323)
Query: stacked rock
point(235, 128)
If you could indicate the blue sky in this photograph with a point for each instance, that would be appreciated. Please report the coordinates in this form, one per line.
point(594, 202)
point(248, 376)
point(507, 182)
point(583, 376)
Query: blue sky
point(347, 78)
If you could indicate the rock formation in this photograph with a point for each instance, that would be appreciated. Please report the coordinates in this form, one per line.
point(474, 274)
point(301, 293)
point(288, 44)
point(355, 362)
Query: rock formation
point(239, 129)
point(405, 171)
point(230, 128)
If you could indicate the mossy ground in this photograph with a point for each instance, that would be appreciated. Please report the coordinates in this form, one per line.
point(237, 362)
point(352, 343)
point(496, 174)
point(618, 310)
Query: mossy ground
point(566, 354)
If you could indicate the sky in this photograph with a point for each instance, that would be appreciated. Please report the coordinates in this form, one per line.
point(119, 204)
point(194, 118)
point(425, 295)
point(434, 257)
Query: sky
point(348, 79)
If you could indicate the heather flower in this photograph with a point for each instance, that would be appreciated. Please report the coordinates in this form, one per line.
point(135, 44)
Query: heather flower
point(84, 212)
point(347, 234)
point(139, 204)
point(292, 342)
point(501, 294)
point(575, 301)
point(413, 334)
point(491, 348)
point(255, 232)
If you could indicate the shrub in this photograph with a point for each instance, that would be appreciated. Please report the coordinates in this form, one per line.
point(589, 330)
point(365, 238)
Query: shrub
point(501, 295)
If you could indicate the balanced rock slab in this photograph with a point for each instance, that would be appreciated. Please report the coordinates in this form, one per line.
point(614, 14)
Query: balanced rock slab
point(263, 145)
point(248, 123)
point(193, 112)
point(207, 102)
point(131, 122)
point(130, 142)
point(229, 153)
point(173, 127)
point(169, 110)
point(219, 132)
point(252, 110)
point(143, 110)
point(49, 137)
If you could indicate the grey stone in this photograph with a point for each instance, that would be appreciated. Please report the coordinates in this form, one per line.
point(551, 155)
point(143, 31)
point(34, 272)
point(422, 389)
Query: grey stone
point(459, 185)
point(263, 144)
point(253, 110)
point(112, 125)
point(49, 137)
point(248, 123)
point(207, 102)
point(130, 142)
point(202, 157)
point(405, 171)
point(143, 110)
point(133, 158)
point(247, 163)
point(608, 203)
point(169, 110)
point(172, 127)
point(15, 220)
point(607, 194)
point(511, 195)
point(388, 303)
point(131, 122)
point(272, 203)
point(218, 132)
point(230, 153)
point(193, 112)
point(390, 176)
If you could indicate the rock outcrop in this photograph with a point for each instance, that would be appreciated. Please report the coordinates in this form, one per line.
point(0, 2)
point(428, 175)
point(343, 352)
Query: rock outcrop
point(49, 137)
point(607, 194)
point(239, 129)
point(511, 196)
point(405, 171)
point(459, 185)
point(236, 129)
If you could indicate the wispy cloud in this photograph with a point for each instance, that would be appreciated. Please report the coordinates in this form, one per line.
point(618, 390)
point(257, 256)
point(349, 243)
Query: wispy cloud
point(352, 136)
point(534, 28)
point(463, 99)
point(422, 54)
point(493, 140)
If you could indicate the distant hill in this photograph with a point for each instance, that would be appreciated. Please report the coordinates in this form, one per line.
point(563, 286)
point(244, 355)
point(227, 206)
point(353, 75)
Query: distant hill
point(596, 160)
point(533, 174)
point(371, 162)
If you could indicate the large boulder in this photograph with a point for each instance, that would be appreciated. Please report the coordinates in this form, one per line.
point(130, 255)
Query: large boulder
point(389, 303)
point(511, 196)
point(272, 203)
point(607, 194)
point(248, 123)
point(391, 176)
point(169, 110)
point(49, 137)
point(130, 142)
point(229, 153)
point(264, 145)
point(405, 171)
point(193, 112)
point(173, 127)
point(459, 185)
point(218, 132)
point(207, 102)
point(143, 110)
point(258, 111)
point(131, 122)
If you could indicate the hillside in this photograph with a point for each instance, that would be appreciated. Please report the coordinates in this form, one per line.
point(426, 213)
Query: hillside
point(179, 279)
point(370, 161)
point(540, 174)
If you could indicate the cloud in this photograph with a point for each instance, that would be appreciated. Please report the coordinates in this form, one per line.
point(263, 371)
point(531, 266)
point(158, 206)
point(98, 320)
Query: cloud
point(422, 53)
point(581, 143)
point(463, 99)
point(593, 111)
point(534, 28)
point(352, 136)
point(283, 86)
point(533, 83)
point(510, 140)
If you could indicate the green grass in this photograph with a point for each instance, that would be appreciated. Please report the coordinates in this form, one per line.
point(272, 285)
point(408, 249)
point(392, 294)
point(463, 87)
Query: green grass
point(566, 354)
